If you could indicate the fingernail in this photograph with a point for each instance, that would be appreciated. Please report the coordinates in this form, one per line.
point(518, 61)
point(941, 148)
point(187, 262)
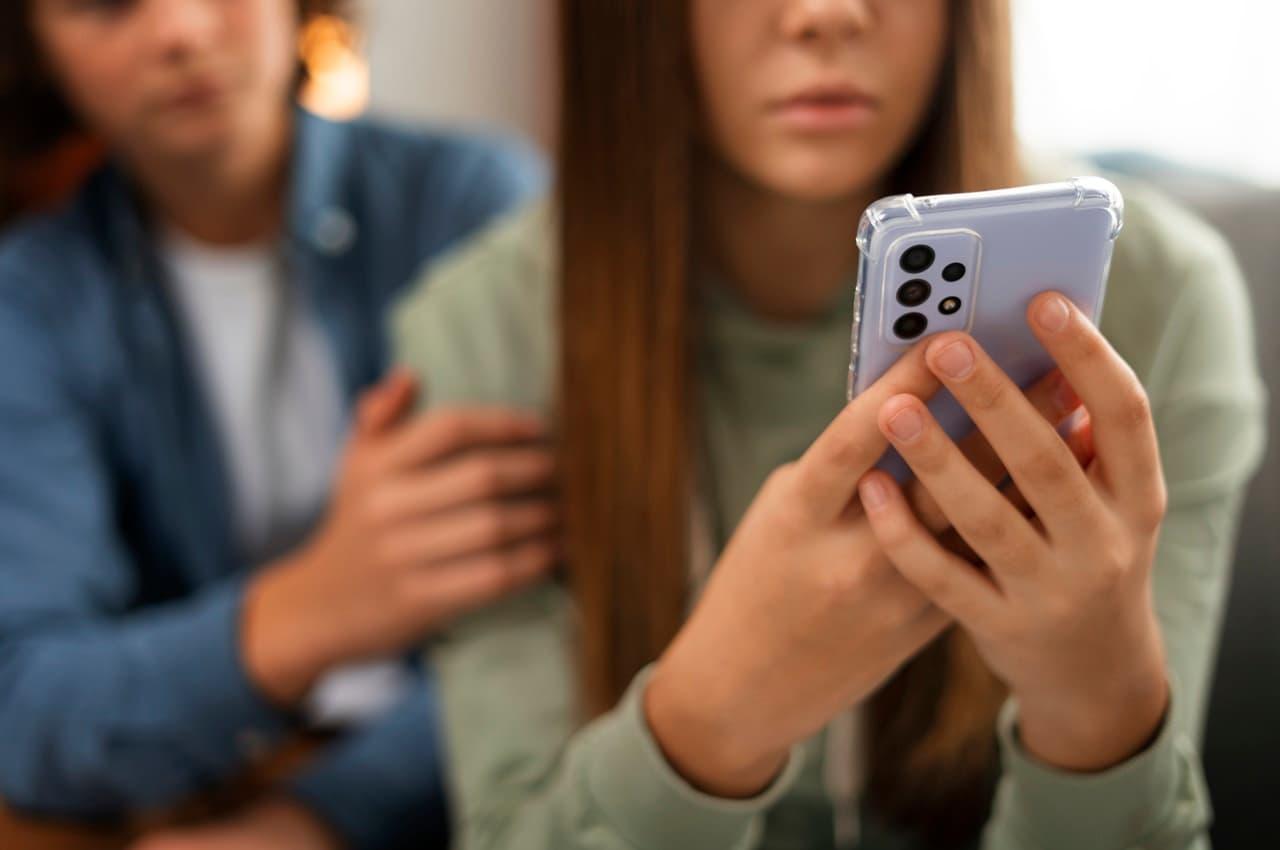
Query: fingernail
point(955, 359)
point(906, 425)
point(1053, 314)
point(874, 494)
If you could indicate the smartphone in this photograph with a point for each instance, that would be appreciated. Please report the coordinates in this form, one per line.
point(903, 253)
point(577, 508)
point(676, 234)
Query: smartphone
point(973, 262)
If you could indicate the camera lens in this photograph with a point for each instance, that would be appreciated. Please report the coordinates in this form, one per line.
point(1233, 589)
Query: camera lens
point(910, 326)
point(917, 258)
point(913, 293)
point(949, 306)
point(953, 272)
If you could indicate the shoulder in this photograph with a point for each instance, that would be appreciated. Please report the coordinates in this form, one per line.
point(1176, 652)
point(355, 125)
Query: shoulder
point(478, 326)
point(55, 268)
point(1166, 250)
point(49, 310)
point(513, 259)
point(1177, 306)
point(464, 167)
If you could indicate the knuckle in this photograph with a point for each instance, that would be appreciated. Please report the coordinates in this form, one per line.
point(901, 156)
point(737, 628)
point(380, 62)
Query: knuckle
point(784, 485)
point(932, 458)
point(1112, 565)
point(1006, 630)
point(845, 452)
point(1090, 349)
point(781, 477)
point(792, 519)
point(926, 507)
point(926, 453)
point(1157, 508)
point(1049, 466)
point(789, 513)
point(450, 427)
point(903, 607)
point(895, 533)
point(1104, 581)
point(989, 394)
point(488, 476)
point(936, 584)
point(529, 559)
point(500, 579)
point(841, 583)
point(987, 530)
point(495, 523)
point(1134, 408)
point(1059, 611)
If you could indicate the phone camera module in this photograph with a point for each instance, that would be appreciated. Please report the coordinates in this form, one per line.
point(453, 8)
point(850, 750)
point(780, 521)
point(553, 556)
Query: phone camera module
point(917, 259)
point(913, 293)
point(949, 306)
point(910, 326)
point(953, 272)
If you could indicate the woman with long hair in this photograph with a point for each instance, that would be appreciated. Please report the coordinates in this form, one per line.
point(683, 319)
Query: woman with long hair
point(759, 640)
point(206, 544)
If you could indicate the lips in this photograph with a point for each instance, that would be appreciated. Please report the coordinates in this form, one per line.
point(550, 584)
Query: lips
point(197, 94)
point(830, 107)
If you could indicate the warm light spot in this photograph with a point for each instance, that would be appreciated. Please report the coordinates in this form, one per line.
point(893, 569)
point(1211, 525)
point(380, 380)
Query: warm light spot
point(338, 86)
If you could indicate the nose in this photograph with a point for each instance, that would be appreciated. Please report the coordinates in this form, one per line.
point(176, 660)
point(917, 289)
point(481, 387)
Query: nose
point(178, 29)
point(827, 20)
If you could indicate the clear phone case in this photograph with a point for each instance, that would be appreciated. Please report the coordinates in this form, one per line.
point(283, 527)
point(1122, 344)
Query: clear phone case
point(1009, 244)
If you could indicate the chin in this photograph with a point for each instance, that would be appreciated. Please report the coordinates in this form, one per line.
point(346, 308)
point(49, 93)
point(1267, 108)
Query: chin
point(197, 137)
point(818, 182)
point(824, 172)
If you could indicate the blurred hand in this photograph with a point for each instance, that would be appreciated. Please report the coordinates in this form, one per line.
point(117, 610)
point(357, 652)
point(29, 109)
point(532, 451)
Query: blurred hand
point(431, 516)
point(275, 825)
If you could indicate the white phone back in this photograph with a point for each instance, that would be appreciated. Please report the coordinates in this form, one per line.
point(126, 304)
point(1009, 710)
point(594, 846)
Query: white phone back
point(1014, 244)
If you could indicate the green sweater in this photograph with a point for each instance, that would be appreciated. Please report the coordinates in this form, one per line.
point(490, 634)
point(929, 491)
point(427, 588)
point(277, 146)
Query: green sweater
point(526, 776)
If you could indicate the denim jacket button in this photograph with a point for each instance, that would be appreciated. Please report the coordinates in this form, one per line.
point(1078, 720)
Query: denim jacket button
point(334, 232)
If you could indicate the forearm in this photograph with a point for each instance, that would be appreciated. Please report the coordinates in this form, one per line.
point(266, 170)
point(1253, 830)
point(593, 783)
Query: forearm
point(524, 775)
point(102, 718)
point(612, 790)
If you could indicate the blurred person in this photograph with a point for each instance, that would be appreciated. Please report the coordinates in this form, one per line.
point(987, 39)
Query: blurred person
point(219, 524)
point(819, 663)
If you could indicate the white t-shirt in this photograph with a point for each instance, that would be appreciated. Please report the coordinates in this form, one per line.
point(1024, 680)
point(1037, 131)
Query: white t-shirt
point(273, 388)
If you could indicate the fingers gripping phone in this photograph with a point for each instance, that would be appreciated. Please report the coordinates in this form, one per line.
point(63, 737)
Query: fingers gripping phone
point(973, 262)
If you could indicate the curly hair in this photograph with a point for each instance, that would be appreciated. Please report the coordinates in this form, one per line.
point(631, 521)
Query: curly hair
point(38, 118)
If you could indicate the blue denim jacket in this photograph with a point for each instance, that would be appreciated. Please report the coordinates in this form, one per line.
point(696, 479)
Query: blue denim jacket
point(121, 685)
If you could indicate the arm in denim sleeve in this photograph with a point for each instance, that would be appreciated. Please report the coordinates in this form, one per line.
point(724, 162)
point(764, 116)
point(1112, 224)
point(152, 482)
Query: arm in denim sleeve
point(383, 785)
point(103, 710)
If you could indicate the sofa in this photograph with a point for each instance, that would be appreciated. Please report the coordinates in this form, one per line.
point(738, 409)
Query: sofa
point(1242, 738)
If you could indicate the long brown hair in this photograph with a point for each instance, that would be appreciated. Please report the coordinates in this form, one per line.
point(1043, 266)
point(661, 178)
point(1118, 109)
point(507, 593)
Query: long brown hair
point(628, 383)
point(41, 134)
